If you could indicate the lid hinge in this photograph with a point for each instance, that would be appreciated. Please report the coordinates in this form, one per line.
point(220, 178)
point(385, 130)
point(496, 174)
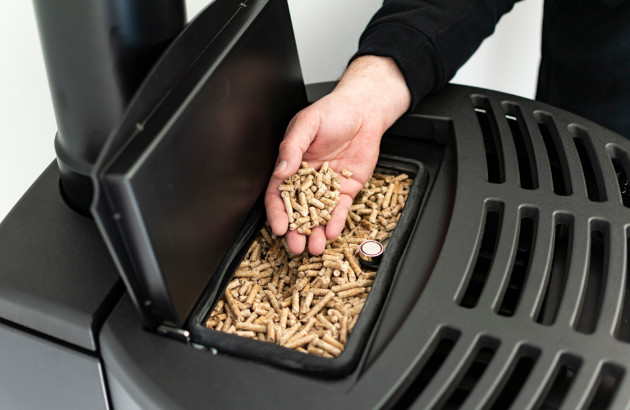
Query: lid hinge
point(175, 333)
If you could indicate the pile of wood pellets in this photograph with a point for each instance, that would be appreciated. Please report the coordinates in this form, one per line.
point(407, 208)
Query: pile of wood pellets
point(310, 196)
point(304, 302)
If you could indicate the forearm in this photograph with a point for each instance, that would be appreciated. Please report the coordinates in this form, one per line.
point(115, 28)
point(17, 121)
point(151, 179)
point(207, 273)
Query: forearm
point(430, 40)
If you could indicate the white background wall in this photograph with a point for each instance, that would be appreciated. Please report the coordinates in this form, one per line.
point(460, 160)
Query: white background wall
point(327, 32)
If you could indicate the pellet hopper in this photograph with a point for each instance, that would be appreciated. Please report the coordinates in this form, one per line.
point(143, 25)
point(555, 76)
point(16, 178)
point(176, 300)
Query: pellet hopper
point(504, 284)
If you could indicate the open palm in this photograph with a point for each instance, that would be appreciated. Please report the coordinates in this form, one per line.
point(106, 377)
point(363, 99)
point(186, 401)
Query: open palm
point(344, 128)
point(329, 130)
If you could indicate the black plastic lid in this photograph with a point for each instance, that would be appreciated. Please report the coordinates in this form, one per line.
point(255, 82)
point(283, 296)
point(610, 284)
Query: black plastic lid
point(194, 151)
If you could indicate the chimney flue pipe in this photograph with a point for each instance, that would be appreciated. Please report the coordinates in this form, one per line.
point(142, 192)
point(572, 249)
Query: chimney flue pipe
point(97, 52)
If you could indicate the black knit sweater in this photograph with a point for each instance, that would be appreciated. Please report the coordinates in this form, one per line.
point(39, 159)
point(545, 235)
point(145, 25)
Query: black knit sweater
point(585, 62)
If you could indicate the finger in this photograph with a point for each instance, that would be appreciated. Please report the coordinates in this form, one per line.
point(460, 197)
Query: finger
point(300, 134)
point(350, 187)
point(296, 141)
point(274, 206)
point(296, 242)
point(338, 217)
point(317, 241)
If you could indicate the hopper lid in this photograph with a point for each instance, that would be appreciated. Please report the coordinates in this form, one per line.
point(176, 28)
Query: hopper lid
point(194, 151)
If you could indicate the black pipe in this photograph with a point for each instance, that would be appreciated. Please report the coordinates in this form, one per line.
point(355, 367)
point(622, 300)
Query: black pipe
point(97, 53)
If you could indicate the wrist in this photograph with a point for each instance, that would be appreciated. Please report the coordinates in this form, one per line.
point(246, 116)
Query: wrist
point(379, 86)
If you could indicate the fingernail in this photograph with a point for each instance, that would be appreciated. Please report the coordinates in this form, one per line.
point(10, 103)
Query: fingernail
point(280, 167)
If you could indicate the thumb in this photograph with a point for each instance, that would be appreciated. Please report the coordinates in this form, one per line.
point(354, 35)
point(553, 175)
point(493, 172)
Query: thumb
point(300, 134)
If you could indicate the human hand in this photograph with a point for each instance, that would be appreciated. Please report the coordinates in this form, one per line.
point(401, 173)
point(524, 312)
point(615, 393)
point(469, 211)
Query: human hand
point(345, 129)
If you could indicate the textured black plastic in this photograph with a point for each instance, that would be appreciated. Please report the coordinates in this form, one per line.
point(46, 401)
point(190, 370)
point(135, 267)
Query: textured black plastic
point(55, 272)
point(97, 53)
point(37, 373)
point(564, 343)
point(181, 173)
point(355, 348)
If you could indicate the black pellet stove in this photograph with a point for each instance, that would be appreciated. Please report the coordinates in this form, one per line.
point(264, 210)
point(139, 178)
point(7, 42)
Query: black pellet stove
point(507, 286)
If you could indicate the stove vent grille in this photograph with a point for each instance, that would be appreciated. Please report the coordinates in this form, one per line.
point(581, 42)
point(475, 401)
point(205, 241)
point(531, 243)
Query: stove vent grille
point(523, 145)
point(485, 254)
point(564, 374)
point(622, 331)
point(528, 305)
point(555, 154)
point(621, 165)
point(491, 140)
point(521, 262)
point(593, 294)
point(593, 177)
point(558, 271)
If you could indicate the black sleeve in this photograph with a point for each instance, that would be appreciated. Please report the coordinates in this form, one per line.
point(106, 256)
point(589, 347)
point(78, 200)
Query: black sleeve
point(430, 39)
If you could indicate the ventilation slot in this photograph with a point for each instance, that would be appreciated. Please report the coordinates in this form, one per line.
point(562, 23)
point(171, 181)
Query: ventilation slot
point(520, 267)
point(558, 271)
point(517, 378)
point(593, 295)
point(608, 382)
point(485, 256)
point(555, 153)
point(592, 174)
point(621, 164)
point(623, 328)
point(567, 369)
point(523, 145)
point(491, 140)
point(439, 353)
point(487, 347)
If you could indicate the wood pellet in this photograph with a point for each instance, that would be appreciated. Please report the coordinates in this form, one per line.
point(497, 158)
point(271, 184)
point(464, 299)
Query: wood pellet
point(304, 302)
point(309, 196)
